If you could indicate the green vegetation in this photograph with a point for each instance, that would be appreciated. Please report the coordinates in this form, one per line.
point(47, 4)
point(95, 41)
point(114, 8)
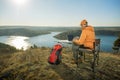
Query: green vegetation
point(32, 65)
point(34, 46)
point(117, 42)
point(116, 46)
point(4, 48)
point(21, 32)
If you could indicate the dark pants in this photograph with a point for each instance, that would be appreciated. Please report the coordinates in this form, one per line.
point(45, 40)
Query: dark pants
point(76, 51)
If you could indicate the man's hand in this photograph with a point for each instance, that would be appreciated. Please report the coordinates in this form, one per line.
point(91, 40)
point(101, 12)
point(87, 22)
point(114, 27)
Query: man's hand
point(75, 40)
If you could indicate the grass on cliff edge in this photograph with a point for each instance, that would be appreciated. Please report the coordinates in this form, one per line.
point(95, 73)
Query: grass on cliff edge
point(32, 65)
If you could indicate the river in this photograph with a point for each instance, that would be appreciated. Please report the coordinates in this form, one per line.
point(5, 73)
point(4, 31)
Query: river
point(47, 40)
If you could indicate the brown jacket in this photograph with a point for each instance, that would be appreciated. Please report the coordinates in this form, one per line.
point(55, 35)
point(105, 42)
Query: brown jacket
point(87, 37)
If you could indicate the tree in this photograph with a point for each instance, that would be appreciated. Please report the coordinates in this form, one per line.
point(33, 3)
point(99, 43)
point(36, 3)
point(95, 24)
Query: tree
point(117, 42)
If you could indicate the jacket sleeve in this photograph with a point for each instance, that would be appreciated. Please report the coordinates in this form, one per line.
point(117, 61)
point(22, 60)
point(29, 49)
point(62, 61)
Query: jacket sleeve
point(82, 38)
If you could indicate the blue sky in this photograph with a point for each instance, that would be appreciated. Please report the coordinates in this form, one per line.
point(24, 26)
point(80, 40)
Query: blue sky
point(60, 12)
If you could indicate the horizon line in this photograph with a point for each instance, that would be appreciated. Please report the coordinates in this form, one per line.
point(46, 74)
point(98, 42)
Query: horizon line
point(50, 26)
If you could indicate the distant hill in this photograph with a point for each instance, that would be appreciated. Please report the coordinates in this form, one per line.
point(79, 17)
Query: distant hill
point(41, 28)
point(32, 65)
point(31, 31)
point(4, 48)
point(34, 31)
point(21, 32)
point(97, 32)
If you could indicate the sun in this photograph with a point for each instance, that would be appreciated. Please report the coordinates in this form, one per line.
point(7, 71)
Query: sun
point(20, 2)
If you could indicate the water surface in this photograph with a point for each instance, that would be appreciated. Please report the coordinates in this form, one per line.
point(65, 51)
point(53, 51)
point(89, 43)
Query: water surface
point(47, 40)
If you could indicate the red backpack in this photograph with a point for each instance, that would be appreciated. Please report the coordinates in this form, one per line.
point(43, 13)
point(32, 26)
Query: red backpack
point(55, 55)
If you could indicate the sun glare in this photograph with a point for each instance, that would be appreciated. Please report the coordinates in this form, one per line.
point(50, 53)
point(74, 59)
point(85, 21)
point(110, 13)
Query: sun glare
point(20, 2)
point(18, 42)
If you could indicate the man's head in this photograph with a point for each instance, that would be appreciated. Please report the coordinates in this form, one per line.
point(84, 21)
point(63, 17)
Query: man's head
point(84, 24)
